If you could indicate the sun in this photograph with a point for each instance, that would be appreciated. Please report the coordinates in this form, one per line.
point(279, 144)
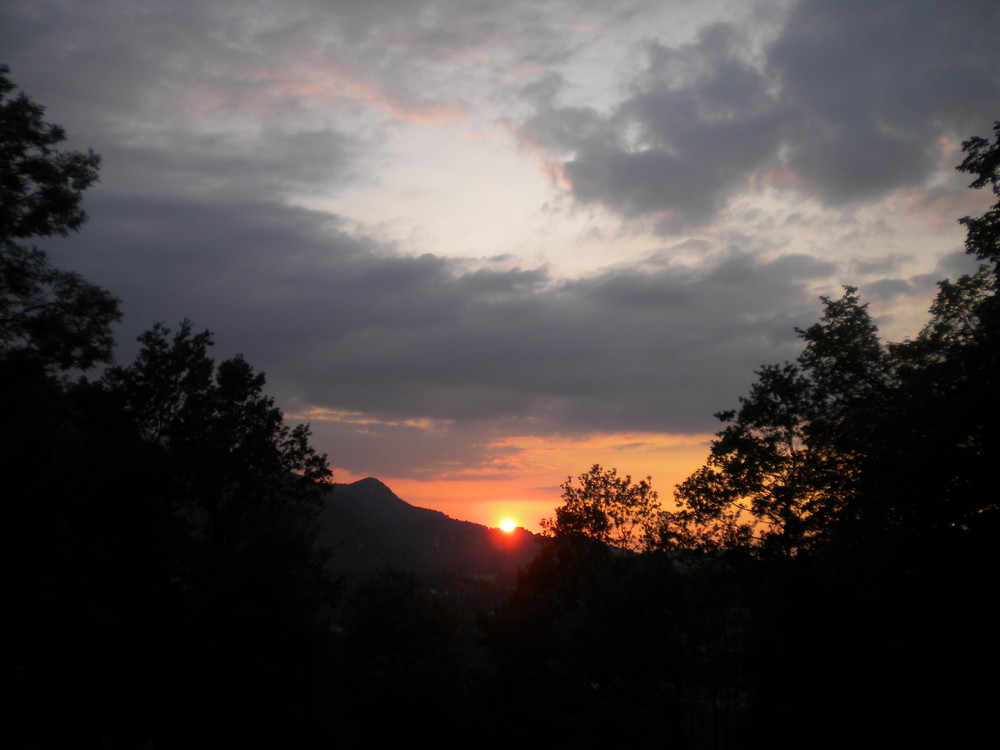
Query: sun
point(508, 525)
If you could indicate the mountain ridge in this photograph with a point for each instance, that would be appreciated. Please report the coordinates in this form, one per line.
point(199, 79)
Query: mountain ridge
point(365, 526)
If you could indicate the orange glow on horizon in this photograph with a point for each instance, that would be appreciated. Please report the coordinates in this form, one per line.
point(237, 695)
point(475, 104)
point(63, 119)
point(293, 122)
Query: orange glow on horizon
point(528, 486)
point(508, 525)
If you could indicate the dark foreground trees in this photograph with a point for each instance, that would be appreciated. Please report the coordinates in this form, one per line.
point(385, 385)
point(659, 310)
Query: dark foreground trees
point(163, 587)
point(229, 452)
point(162, 524)
point(786, 471)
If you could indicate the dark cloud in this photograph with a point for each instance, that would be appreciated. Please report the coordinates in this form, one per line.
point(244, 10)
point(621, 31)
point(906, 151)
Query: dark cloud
point(854, 97)
point(879, 264)
point(399, 449)
point(343, 323)
point(869, 88)
point(956, 264)
point(271, 162)
point(885, 290)
point(700, 121)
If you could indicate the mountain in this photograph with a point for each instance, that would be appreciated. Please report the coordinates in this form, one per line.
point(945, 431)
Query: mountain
point(365, 526)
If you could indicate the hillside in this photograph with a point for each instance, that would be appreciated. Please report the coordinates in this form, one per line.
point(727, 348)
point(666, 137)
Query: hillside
point(366, 526)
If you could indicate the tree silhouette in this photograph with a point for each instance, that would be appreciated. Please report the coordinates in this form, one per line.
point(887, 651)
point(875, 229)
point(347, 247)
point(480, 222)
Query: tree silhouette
point(983, 160)
point(46, 314)
point(249, 604)
point(606, 508)
point(788, 463)
point(230, 453)
point(159, 522)
point(940, 441)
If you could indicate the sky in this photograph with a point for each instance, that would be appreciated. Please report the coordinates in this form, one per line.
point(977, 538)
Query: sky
point(481, 246)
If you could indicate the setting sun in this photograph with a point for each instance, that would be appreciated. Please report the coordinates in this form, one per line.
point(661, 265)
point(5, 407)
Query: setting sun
point(508, 525)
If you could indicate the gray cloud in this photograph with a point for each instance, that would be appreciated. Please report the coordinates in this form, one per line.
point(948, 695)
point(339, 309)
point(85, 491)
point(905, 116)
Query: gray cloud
point(870, 87)
point(700, 120)
point(851, 96)
point(884, 290)
point(955, 264)
point(342, 323)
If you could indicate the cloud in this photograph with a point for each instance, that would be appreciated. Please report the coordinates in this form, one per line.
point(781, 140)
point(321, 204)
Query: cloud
point(887, 289)
point(853, 98)
point(699, 122)
point(344, 323)
point(870, 88)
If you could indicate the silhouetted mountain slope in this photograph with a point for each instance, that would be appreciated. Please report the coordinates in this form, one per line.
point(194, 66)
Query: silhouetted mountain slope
point(367, 527)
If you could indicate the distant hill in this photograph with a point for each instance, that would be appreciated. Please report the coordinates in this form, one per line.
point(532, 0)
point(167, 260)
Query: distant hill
point(366, 527)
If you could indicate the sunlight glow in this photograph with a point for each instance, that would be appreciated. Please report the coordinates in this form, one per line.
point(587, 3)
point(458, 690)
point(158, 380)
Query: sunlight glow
point(508, 525)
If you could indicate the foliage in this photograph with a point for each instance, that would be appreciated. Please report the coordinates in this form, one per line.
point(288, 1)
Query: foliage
point(606, 508)
point(787, 464)
point(230, 453)
point(48, 314)
point(939, 440)
point(168, 514)
point(983, 160)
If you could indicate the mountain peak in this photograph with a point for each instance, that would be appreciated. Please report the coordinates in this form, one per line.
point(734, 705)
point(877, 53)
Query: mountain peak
point(365, 526)
point(372, 490)
point(369, 482)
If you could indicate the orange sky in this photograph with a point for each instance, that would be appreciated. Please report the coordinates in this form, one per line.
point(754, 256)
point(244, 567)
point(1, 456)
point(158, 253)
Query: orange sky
point(527, 489)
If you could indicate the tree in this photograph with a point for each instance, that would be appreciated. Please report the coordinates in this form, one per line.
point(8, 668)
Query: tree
point(943, 442)
point(606, 508)
point(226, 446)
point(243, 651)
point(983, 160)
point(787, 464)
point(47, 314)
